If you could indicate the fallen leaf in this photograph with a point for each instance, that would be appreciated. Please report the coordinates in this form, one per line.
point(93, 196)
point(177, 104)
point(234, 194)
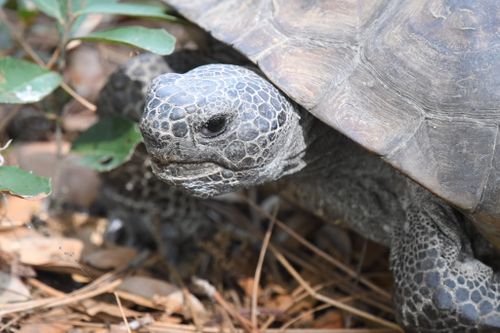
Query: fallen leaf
point(147, 287)
point(162, 294)
point(93, 307)
point(56, 251)
point(110, 258)
point(19, 211)
point(9, 239)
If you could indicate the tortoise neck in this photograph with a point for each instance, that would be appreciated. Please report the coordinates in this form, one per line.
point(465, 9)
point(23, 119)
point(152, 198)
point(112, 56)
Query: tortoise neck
point(322, 146)
point(339, 175)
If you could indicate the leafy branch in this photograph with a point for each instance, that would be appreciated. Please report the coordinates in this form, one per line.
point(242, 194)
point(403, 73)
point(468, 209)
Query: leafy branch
point(23, 82)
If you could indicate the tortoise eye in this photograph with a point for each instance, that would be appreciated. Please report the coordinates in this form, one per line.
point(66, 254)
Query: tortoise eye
point(214, 126)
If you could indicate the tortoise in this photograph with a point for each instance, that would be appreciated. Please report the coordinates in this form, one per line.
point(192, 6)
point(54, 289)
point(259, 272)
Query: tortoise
point(383, 113)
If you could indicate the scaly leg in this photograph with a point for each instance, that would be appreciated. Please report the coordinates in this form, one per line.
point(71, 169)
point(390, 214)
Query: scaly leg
point(440, 286)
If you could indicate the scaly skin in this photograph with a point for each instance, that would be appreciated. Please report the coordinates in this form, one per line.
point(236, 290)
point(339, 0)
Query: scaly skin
point(219, 128)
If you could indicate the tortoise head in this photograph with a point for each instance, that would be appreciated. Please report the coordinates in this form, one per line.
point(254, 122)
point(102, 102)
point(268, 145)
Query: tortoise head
point(218, 128)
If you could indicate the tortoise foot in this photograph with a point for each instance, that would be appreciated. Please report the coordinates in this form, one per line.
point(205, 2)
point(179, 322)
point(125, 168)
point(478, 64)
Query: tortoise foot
point(440, 286)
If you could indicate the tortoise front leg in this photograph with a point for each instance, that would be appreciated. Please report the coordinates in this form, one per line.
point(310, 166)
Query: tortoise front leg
point(440, 286)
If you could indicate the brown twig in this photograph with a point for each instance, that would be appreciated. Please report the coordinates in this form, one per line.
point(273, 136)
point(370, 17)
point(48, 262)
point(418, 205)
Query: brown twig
point(329, 300)
point(79, 98)
point(247, 325)
point(298, 296)
point(225, 322)
point(343, 281)
point(52, 302)
point(53, 58)
point(211, 292)
point(258, 270)
point(305, 314)
point(346, 269)
point(159, 327)
point(122, 312)
point(11, 322)
point(312, 268)
point(105, 283)
point(85, 306)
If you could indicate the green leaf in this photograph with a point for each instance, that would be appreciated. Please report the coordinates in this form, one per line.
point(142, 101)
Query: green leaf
point(19, 182)
point(25, 82)
point(153, 40)
point(127, 9)
point(51, 8)
point(78, 5)
point(107, 144)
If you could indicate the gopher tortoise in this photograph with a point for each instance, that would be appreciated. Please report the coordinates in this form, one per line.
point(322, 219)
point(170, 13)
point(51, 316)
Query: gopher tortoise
point(384, 113)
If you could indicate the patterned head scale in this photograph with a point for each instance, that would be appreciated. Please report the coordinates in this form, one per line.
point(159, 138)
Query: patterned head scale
point(216, 128)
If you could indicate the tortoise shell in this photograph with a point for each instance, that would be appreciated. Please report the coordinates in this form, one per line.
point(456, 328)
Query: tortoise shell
point(416, 82)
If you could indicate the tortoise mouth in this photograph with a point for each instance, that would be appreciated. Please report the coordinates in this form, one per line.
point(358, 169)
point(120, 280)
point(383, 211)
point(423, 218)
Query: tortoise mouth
point(200, 179)
point(179, 172)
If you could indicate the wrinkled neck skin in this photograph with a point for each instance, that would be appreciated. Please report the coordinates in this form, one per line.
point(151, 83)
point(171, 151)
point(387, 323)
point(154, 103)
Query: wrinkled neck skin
point(310, 147)
point(342, 180)
point(321, 147)
point(339, 179)
point(292, 159)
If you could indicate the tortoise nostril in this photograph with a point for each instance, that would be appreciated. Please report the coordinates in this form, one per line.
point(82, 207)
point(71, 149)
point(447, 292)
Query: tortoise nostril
point(214, 126)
